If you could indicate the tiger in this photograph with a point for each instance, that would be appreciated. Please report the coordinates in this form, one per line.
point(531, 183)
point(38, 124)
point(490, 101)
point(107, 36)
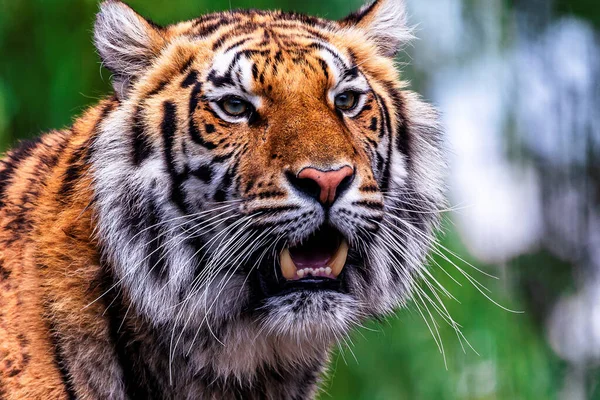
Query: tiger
point(257, 184)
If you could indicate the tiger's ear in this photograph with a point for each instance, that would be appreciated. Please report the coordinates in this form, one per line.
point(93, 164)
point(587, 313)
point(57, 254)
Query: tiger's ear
point(127, 43)
point(384, 22)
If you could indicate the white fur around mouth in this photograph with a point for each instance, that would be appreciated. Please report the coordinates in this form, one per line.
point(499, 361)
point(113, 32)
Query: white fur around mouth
point(331, 270)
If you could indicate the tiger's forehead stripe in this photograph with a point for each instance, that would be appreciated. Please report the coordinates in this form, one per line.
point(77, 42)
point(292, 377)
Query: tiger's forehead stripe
point(224, 26)
point(239, 63)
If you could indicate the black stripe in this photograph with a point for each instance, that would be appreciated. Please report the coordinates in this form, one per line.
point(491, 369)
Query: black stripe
point(212, 112)
point(403, 138)
point(210, 128)
point(380, 161)
point(60, 363)
point(80, 158)
point(168, 128)
point(250, 52)
point(203, 172)
point(225, 185)
point(193, 128)
point(370, 204)
point(10, 164)
point(249, 185)
point(157, 259)
point(221, 41)
point(135, 216)
point(212, 27)
point(159, 88)
point(325, 68)
point(385, 116)
point(369, 189)
point(76, 167)
point(278, 57)
point(220, 81)
point(319, 46)
point(269, 195)
point(259, 223)
point(373, 144)
point(350, 73)
point(212, 18)
point(190, 79)
point(236, 44)
point(374, 124)
point(269, 211)
point(187, 64)
point(141, 147)
point(4, 273)
point(223, 157)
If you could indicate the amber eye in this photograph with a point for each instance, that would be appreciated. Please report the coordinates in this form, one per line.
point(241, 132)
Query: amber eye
point(346, 101)
point(235, 106)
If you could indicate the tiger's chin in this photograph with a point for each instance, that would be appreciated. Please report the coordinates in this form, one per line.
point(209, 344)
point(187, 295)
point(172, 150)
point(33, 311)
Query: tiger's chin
point(306, 293)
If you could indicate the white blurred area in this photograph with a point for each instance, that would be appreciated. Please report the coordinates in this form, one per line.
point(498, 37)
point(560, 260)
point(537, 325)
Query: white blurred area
point(520, 97)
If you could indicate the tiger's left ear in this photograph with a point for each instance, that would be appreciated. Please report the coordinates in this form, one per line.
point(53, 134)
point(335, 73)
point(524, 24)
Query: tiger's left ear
point(384, 22)
point(126, 42)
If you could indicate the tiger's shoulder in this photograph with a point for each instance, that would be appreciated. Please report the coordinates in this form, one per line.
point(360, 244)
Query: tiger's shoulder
point(44, 197)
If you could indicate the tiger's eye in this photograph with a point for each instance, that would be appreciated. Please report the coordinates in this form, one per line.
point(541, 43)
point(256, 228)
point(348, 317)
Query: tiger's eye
point(346, 100)
point(235, 106)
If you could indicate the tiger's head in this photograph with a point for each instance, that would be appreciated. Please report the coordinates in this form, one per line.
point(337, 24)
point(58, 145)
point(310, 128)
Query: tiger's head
point(264, 172)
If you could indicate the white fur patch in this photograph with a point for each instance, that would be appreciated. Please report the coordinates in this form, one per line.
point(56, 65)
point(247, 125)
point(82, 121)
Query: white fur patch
point(124, 41)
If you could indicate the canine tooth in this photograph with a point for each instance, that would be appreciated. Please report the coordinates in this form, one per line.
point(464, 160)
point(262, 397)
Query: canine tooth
point(339, 259)
point(328, 271)
point(300, 273)
point(288, 268)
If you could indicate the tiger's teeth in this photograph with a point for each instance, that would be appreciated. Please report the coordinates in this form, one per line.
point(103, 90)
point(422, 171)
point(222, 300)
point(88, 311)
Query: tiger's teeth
point(288, 268)
point(338, 261)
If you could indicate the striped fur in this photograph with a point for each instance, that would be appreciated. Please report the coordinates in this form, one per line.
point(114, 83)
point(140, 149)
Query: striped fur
point(131, 244)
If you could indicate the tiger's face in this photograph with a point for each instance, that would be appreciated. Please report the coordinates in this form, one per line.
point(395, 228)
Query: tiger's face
point(264, 169)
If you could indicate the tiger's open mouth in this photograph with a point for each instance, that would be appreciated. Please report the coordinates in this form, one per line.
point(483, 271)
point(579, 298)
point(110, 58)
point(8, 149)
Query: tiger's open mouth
point(323, 255)
point(316, 264)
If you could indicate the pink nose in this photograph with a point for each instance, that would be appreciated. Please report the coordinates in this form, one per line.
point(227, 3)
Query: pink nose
point(329, 181)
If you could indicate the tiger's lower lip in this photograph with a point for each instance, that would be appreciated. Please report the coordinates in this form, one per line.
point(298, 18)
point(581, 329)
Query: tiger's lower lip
point(331, 269)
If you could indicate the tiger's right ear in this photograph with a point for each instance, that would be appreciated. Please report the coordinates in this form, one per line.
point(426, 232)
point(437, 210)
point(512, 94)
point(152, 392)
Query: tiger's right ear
point(384, 23)
point(127, 43)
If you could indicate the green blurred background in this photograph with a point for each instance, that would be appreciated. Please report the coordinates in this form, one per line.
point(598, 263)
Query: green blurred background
point(49, 73)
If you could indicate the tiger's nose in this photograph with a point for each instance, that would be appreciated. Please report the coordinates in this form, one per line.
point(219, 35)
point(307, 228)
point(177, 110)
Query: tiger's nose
point(325, 186)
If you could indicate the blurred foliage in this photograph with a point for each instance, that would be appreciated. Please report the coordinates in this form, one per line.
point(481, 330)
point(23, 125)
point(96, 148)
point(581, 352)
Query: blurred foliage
point(49, 73)
point(586, 9)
